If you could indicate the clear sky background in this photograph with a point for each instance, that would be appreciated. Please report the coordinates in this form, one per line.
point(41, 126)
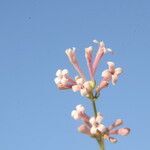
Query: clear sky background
point(34, 114)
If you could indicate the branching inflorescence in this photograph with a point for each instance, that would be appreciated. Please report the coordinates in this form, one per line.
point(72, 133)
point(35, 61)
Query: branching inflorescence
point(92, 126)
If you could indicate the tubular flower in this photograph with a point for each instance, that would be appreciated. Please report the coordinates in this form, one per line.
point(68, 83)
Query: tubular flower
point(63, 80)
point(112, 73)
point(103, 84)
point(101, 51)
point(79, 113)
point(88, 56)
point(73, 59)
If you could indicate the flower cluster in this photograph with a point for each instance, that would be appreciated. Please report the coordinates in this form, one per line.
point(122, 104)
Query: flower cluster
point(88, 88)
point(93, 126)
point(91, 89)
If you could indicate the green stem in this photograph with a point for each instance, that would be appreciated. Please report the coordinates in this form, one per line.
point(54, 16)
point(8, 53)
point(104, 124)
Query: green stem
point(94, 108)
point(101, 144)
point(100, 140)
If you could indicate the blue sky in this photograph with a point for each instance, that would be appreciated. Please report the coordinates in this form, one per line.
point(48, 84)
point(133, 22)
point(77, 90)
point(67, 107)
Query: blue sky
point(34, 34)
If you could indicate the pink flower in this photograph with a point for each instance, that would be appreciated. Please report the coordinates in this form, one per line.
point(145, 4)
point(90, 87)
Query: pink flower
point(88, 56)
point(103, 84)
point(112, 73)
point(101, 51)
point(93, 126)
point(79, 113)
point(63, 80)
point(73, 59)
point(96, 124)
point(117, 123)
point(84, 129)
point(111, 131)
point(85, 87)
point(79, 84)
point(121, 131)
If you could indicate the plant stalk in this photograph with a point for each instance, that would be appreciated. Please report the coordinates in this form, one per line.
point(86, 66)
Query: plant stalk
point(100, 140)
point(94, 108)
point(101, 144)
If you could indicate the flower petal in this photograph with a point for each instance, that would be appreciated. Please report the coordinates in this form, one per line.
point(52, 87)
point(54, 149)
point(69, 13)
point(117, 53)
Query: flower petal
point(64, 80)
point(57, 80)
point(80, 108)
point(93, 130)
point(74, 114)
point(65, 72)
point(118, 71)
point(76, 88)
point(114, 79)
point(99, 118)
point(59, 72)
point(111, 66)
point(80, 81)
point(83, 92)
point(101, 128)
point(92, 120)
point(106, 75)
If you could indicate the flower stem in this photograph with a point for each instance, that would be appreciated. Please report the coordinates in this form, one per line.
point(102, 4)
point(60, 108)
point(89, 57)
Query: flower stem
point(100, 140)
point(94, 108)
point(101, 143)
